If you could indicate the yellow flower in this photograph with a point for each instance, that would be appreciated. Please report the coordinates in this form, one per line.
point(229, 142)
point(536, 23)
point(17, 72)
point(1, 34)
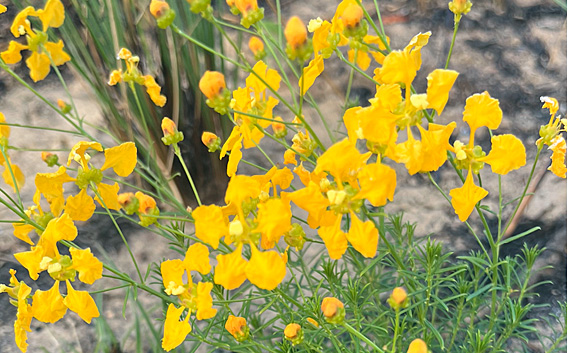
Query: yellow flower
point(2, 8)
point(294, 333)
point(210, 224)
point(230, 269)
point(360, 57)
point(48, 306)
point(290, 157)
point(363, 236)
point(153, 90)
point(440, 83)
point(434, 145)
point(13, 175)
point(80, 207)
point(89, 267)
point(172, 277)
point(334, 238)
point(507, 154)
point(52, 15)
point(274, 219)
point(197, 259)
point(295, 32)
point(558, 147)
point(342, 161)
point(310, 199)
point(550, 103)
point(256, 45)
point(175, 331)
point(13, 54)
point(81, 303)
point(261, 79)
point(122, 159)
point(352, 15)
point(266, 270)
point(310, 73)
point(204, 301)
point(417, 346)
point(465, 198)
point(237, 326)
point(378, 183)
point(482, 110)
point(23, 317)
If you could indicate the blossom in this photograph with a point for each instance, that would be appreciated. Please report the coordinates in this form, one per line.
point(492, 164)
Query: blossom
point(43, 52)
point(482, 110)
point(363, 236)
point(237, 327)
point(507, 154)
point(210, 224)
point(378, 183)
point(81, 303)
point(465, 198)
point(230, 269)
point(398, 298)
point(310, 73)
point(295, 32)
point(558, 166)
point(439, 84)
point(265, 269)
point(333, 310)
point(294, 333)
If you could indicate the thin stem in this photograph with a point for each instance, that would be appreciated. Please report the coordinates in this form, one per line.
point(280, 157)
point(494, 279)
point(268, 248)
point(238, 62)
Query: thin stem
point(187, 174)
point(456, 25)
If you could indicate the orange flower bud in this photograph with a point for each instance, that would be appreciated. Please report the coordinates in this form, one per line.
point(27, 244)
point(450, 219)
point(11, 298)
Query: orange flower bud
point(212, 84)
point(295, 32)
point(279, 129)
point(333, 310)
point(237, 326)
point(294, 333)
point(352, 15)
point(398, 298)
point(168, 127)
point(128, 202)
point(256, 45)
point(49, 158)
point(313, 322)
point(159, 8)
point(246, 6)
point(212, 141)
point(417, 346)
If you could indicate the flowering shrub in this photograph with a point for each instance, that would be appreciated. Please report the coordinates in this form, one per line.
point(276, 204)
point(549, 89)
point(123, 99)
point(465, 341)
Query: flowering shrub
point(301, 256)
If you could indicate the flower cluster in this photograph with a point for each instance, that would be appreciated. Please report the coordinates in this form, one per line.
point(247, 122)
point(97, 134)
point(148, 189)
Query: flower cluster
point(43, 52)
point(133, 75)
point(55, 226)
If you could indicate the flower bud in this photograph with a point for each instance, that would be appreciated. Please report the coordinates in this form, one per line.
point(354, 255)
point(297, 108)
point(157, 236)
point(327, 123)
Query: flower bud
point(313, 322)
point(49, 158)
point(128, 202)
point(212, 141)
point(279, 129)
point(65, 108)
point(257, 47)
point(295, 237)
point(294, 334)
point(237, 326)
point(171, 133)
point(417, 346)
point(162, 13)
point(295, 32)
point(333, 310)
point(352, 16)
point(212, 85)
point(459, 8)
point(398, 298)
point(147, 208)
point(250, 12)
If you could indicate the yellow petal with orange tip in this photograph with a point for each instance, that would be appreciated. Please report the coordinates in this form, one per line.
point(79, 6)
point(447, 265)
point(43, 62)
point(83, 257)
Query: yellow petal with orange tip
point(266, 269)
point(122, 159)
point(81, 303)
point(465, 198)
point(507, 154)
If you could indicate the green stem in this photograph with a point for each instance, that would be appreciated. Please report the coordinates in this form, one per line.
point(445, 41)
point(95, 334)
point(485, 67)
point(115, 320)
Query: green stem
point(456, 25)
point(187, 174)
point(395, 335)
